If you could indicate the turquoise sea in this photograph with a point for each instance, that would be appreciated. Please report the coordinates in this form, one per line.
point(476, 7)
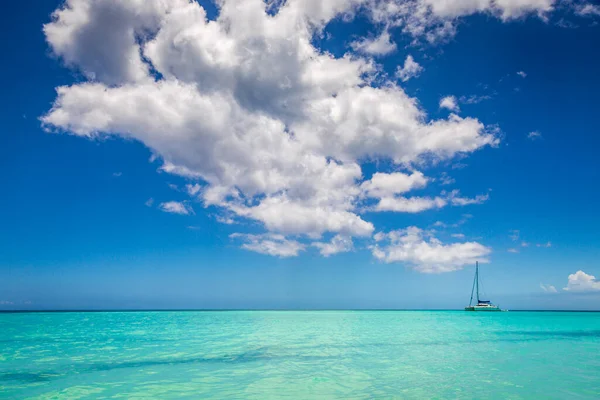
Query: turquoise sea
point(300, 355)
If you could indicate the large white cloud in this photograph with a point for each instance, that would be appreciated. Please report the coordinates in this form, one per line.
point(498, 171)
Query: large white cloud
point(268, 126)
point(423, 252)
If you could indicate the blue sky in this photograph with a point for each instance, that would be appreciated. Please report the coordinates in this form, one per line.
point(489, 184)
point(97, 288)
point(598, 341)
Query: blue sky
point(275, 203)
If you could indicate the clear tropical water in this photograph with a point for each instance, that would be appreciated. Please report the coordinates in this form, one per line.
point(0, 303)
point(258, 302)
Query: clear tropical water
point(300, 355)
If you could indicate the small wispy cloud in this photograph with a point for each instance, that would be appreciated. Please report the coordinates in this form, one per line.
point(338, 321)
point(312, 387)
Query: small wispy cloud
point(149, 202)
point(117, 174)
point(225, 220)
point(474, 99)
point(176, 207)
point(458, 235)
point(522, 74)
point(445, 179)
point(459, 166)
point(534, 135)
point(547, 244)
point(548, 288)
point(455, 199)
point(465, 218)
point(588, 10)
point(514, 235)
point(270, 244)
point(193, 189)
point(513, 250)
point(563, 23)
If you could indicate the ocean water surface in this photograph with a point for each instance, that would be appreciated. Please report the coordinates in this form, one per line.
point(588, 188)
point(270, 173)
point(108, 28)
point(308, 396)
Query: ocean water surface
point(300, 355)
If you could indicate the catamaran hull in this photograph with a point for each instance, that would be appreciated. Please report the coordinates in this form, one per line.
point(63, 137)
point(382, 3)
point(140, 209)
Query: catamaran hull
point(488, 309)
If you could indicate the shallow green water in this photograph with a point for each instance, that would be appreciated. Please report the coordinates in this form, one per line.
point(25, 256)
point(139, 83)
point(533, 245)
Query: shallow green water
point(300, 355)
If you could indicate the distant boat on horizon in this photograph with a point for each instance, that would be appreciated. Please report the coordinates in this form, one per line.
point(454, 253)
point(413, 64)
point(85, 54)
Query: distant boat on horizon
point(481, 305)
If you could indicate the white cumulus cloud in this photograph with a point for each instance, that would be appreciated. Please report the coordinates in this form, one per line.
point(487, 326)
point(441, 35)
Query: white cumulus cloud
point(263, 124)
point(450, 103)
point(410, 69)
point(379, 46)
point(409, 205)
point(272, 128)
point(384, 184)
point(582, 282)
point(176, 207)
point(425, 253)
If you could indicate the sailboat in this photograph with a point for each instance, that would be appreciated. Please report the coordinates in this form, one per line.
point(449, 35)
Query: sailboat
point(481, 305)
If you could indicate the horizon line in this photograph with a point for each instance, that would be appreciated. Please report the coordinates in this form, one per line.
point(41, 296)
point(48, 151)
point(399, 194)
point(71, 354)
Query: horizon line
point(67, 310)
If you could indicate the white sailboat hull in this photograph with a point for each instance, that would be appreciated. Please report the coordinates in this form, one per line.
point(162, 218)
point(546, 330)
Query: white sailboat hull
point(483, 308)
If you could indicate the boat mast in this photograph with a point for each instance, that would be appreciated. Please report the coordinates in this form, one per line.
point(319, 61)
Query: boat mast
point(477, 278)
point(475, 281)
